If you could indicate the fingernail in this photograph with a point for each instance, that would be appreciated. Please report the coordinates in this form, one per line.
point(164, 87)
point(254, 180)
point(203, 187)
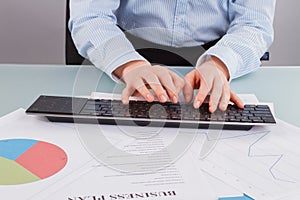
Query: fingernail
point(163, 98)
point(124, 101)
point(148, 97)
point(187, 98)
point(223, 106)
point(212, 110)
point(197, 104)
point(174, 99)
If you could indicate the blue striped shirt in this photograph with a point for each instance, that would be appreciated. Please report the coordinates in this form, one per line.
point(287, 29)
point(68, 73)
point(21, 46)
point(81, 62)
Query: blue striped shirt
point(246, 28)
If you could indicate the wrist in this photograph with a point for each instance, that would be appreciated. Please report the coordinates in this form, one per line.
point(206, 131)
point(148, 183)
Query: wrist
point(220, 65)
point(123, 69)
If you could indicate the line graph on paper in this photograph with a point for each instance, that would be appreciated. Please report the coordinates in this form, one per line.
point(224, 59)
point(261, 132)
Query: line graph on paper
point(278, 157)
point(261, 162)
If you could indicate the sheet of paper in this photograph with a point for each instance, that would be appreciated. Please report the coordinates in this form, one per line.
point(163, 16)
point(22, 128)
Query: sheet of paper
point(104, 183)
point(262, 162)
point(26, 128)
point(163, 173)
point(293, 195)
point(85, 177)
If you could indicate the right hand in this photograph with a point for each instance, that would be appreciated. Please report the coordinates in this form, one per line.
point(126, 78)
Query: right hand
point(140, 76)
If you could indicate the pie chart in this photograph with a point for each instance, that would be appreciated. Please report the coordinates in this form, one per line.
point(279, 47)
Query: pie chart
point(26, 161)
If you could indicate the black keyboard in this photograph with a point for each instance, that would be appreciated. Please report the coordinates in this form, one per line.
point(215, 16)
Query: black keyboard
point(142, 113)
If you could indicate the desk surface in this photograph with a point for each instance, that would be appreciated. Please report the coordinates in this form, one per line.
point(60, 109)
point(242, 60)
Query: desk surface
point(20, 85)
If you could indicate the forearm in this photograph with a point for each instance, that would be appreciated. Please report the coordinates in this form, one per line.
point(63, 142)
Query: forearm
point(250, 34)
point(97, 36)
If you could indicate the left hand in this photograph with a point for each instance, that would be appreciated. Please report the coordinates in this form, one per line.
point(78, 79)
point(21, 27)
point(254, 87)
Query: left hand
point(210, 77)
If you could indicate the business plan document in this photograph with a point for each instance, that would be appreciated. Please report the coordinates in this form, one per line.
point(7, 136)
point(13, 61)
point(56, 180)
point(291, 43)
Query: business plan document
point(78, 174)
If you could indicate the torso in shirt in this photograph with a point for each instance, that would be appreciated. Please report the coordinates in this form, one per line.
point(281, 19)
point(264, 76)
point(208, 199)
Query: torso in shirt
point(175, 23)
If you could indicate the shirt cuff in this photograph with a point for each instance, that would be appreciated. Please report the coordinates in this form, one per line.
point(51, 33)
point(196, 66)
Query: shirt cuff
point(115, 53)
point(231, 59)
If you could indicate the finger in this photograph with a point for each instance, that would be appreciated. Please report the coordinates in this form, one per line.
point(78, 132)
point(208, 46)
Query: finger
point(178, 84)
point(203, 91)
point(189, 86)
point(156, 86)
point(225, 98)
point(144, 91)
point(236, 100)
point(215, 95)
point(126, 93)
point(140, 86)
point(136, 94)
point(178, 81)
point(168, 84)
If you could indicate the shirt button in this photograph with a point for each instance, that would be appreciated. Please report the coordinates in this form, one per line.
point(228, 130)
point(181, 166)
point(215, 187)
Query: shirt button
point(179, 19)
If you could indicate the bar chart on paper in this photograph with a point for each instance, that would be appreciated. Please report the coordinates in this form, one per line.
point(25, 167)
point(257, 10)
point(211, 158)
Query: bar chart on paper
point(26, 161)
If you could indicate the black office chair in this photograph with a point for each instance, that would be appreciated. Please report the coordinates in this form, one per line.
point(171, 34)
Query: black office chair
point(153, 53)
point(72, 56)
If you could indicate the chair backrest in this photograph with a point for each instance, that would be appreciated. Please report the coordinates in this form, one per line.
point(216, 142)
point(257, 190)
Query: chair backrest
point(72, 56)
point(156, 55)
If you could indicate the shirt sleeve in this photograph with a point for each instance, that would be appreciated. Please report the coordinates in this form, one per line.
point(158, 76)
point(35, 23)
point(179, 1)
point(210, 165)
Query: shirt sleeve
point(93, 26)
point(249, 35)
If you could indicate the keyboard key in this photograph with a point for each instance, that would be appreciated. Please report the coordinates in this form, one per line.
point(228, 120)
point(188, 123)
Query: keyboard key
point(268, 120)
point(258, 121)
